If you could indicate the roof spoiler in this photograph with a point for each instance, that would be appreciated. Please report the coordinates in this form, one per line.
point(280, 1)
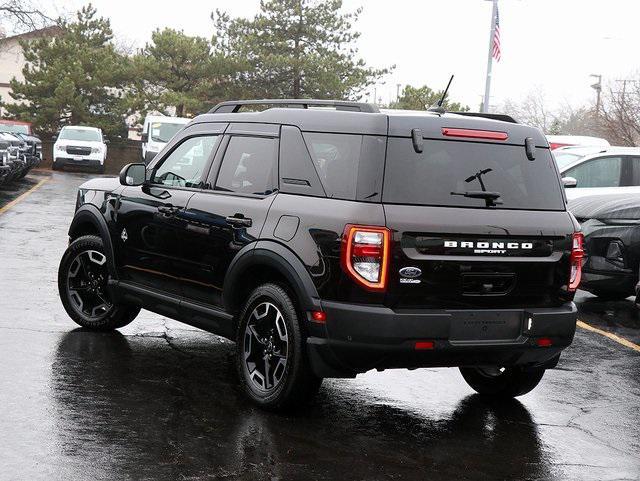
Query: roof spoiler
point(234, 106)
point(501, 117)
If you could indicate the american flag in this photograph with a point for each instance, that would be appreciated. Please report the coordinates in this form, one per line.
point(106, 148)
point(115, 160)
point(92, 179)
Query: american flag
point(495, 53)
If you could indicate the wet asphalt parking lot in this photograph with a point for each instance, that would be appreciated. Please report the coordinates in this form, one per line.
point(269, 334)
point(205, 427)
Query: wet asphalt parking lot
point(159, 400)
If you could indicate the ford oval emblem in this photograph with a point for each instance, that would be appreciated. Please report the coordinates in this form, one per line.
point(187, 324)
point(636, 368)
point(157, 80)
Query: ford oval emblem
point(410, 272)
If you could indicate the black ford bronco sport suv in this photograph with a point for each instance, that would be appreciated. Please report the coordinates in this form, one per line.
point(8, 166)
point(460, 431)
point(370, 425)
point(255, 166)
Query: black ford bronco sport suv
point(329, 238)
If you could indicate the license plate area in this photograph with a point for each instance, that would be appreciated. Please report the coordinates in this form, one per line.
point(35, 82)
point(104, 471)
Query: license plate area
point(479, 326)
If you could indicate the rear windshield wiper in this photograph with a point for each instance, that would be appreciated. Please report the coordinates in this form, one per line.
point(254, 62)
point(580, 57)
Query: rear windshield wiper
point(491, 198)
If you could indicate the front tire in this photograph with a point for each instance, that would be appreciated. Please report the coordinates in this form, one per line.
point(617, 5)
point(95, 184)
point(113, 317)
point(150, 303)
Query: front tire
point(271, 358)
point(502, 382)
point(82, 285)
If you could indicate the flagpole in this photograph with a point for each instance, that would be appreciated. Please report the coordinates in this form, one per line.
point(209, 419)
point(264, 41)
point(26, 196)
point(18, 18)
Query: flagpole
point(487, 85)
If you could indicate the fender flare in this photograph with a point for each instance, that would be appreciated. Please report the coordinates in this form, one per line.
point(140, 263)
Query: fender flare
point(90, 214)
point(276, 256)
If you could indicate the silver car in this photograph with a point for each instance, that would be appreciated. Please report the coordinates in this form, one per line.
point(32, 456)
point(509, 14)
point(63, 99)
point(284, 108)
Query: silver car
point(599, 170)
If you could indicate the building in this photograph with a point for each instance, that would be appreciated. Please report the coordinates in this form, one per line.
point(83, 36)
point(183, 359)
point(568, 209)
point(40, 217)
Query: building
point(12, 58)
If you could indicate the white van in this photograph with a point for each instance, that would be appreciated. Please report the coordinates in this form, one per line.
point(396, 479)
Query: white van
point(157, 131)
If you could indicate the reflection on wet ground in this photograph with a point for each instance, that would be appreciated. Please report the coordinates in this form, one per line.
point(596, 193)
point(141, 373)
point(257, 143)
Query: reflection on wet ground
point(163, 414)
point(160, 400)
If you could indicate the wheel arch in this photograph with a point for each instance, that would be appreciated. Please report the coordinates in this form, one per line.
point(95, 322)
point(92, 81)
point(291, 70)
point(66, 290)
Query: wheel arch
point(88, 220)
point(268, 261)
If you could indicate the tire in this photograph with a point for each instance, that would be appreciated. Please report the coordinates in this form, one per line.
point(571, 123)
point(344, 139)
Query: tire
point(55, 166)
point(611, 295)
point(82, 280)
point(100, 170)
point(507, 383)
point(269, 325)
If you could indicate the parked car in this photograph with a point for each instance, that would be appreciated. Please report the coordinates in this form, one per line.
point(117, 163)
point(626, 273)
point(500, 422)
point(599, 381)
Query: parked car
point(559, 141)
point(596, 171)
point(331, 241)
point(611, 226)
point(157, 131)
point(16, 156)
point(80, 146)
point(34, 148)
point(30, 148)
point(5, 168)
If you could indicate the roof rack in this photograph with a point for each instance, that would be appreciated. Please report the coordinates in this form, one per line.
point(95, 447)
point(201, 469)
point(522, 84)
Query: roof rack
point(502, 117)
point(234, 106)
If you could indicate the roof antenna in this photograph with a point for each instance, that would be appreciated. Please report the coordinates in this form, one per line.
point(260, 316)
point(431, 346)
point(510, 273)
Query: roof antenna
point(438, 107)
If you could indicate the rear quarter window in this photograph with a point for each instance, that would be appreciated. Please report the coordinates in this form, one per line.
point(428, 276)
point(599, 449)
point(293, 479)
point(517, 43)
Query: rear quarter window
point(447, 167)
point(348, 165)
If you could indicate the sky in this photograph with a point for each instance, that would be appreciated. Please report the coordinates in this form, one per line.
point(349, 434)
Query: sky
point(548, 46)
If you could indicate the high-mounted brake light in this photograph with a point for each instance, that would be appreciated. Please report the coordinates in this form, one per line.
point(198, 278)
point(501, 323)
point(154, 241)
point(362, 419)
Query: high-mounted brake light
point(474, 134)
point(364, 255)
point(577, 253)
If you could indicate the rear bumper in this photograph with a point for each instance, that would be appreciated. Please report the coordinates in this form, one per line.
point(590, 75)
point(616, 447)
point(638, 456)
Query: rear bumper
point(359, 338)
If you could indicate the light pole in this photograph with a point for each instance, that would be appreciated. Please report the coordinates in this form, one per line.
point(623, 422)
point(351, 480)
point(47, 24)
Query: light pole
point(598, 88)
point(487, 84)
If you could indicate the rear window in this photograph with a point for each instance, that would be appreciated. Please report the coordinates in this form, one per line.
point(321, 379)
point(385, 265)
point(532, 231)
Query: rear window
point(447, 168)
point(349, 166)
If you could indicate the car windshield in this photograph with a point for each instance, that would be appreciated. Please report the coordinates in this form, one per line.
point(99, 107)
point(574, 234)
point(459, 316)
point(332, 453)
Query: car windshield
point(565, 158)
point(88, 135)
point(164, 132)
point(15, 128)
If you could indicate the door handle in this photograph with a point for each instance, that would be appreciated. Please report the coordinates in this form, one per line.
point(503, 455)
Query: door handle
point(238, 220)
point(168, 210)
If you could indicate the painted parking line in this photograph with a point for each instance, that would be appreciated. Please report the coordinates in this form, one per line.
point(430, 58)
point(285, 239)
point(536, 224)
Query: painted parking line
point(613, 337)
point(21, 197)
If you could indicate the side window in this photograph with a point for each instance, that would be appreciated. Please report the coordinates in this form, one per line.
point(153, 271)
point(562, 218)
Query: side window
point(600, 172)
point(185, 165)
point(249, 166)
point(337, 158)
point(635, 171)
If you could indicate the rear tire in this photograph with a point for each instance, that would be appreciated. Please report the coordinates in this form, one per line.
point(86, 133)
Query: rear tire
point(502, 383)
point(271, 356)
point(82, 282)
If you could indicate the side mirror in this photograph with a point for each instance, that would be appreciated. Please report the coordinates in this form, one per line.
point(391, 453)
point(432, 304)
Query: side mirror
point(144, 137)
point(54, 137)
point(569, 182)
point(106, 141)
point(133, 174)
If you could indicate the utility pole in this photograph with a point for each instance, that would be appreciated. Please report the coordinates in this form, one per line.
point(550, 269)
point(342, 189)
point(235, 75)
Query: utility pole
point(398, 92)
point(598, 88)
point(375, 95)
point(487, 85)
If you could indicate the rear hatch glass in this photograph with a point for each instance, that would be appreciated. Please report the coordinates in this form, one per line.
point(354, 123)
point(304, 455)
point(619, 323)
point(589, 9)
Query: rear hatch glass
point(446, 170)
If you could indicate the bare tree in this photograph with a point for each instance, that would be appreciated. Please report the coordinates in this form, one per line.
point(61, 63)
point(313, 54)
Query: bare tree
point(23, 15)
point(620, 112)
point(532, 110)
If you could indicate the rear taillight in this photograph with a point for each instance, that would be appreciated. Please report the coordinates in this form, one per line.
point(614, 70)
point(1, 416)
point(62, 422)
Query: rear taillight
point(557, 145)
point(577, 253)
point(365, 255)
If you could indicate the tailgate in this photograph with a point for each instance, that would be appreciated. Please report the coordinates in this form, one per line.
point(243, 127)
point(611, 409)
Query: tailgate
point(459, 258)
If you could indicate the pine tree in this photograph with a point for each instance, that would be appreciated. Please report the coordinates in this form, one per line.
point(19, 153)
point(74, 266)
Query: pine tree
point(421, 98)
point(76, 78)
point(297, 49)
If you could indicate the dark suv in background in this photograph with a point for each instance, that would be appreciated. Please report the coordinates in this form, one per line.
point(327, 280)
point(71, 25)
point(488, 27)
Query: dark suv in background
point(329, 238)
